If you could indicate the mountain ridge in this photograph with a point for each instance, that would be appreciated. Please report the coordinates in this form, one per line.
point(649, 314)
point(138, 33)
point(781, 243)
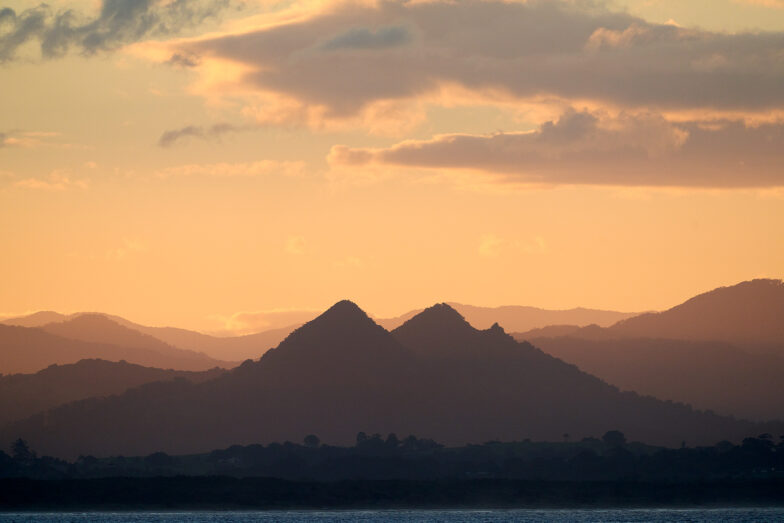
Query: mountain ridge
point(481, 387)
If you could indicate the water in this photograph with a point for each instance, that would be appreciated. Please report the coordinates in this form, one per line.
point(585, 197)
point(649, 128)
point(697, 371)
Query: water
point(408, 516)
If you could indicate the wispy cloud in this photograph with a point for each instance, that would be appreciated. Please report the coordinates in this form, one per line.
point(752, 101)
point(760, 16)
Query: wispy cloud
point(213, 132)
point(776, 4)
point(248, 169)
point(295, 245)
point(248, 322)
point(58, 180)
point(128, 248)
point(494, 246)
point(118, 22)
point(28, 139)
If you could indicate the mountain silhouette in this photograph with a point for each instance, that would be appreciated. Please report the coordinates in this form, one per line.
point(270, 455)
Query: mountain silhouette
point(26, 350)
point(22, 395)
point(708, 375)
point(36, 319)
point(252, 346)
point(226, 348)
point(98, 328)
point(341, 373)
point(722, 350)
point(748, 314)
point(516, 318)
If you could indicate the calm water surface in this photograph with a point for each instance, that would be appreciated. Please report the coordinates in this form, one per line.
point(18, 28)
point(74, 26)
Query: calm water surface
point(408, 516)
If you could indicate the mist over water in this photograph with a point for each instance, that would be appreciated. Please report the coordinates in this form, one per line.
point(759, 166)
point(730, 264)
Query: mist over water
point(411, 516)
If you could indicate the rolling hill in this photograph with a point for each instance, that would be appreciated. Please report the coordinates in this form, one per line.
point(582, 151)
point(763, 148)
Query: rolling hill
point(27, 349)
point(22, 395)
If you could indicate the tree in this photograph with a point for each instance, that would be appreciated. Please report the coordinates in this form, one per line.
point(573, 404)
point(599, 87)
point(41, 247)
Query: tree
point(21, 452)
point(312, 441)
point(392, 441)
point(614, 438)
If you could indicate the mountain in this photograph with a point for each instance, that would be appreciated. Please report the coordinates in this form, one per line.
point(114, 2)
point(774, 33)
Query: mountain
point(98, 328)
point(749, 314)
point(252, 346)
point(231, 348)
point(26, 350)
point(234, 348)
point(517, 318)
point(36, 319)
point(708, 375)
point(435, 376)
point(22, 395)
point(722, 350)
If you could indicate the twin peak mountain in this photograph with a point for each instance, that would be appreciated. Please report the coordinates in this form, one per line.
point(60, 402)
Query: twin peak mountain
point(435, 377)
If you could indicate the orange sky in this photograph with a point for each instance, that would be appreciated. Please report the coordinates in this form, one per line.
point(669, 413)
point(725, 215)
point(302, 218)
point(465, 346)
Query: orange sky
point(274, 156)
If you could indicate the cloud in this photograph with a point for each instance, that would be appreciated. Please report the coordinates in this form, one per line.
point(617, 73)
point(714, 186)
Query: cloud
point(57, 180)
point(490, 245)
point(246, 169)
point(249, 322)
point(364, 38)
point(586, 148)
point(18, 138)
point(349, 262)
point(493, 246)
point(128, 248)
point(776, 4)
point(183, 60)
point(118, 22)
point(341, 60)
point(295, 245)
point(213, 132)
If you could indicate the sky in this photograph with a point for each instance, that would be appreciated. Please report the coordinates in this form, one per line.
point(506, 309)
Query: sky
point(203, 163)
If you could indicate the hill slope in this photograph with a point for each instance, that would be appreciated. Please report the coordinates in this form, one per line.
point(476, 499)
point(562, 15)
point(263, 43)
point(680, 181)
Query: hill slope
point(26, 350)
point(708, 375)
point(22, 395)
point(749, 314)
point(722, 350)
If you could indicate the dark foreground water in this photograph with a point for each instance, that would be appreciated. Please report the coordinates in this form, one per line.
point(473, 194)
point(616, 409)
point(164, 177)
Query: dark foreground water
point(408, 516)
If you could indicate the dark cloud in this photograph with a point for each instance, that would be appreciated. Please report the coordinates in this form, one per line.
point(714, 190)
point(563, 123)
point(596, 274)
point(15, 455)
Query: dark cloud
point(553, 48)
point(213, 132)
point(589, 149)
point(183, 60)
point(118, 22)
point(363, 38)
point(2, 136)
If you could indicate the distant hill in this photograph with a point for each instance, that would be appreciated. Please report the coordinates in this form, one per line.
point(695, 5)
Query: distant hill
point(435, 376)
point(26, 350)
point(516, 318)
point(231, 348)
point(722, 350)
point(708, 375)
point(36, 319)
point(234, 348)
point(22, 395)
point(749, 314)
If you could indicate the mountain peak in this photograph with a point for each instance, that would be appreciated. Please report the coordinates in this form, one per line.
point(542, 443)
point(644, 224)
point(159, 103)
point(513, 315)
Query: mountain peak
point(344, 320)
point(439, 329)
point(441, 314)
point(345, 308)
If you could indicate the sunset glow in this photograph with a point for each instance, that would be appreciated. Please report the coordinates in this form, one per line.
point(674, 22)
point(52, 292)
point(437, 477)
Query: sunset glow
point(249, 157)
